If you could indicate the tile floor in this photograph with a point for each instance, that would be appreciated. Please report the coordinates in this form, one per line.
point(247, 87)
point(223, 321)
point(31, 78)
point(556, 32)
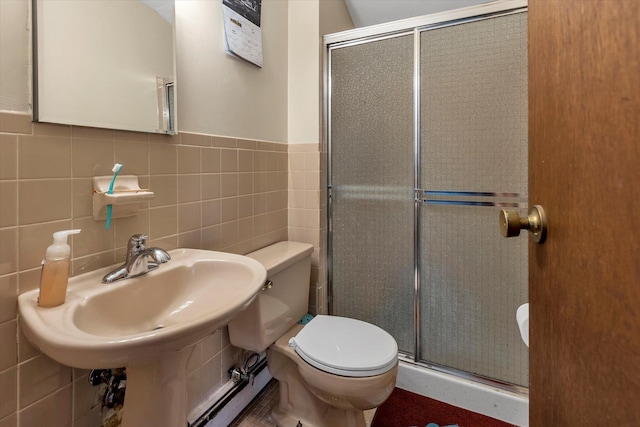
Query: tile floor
point(257, 413)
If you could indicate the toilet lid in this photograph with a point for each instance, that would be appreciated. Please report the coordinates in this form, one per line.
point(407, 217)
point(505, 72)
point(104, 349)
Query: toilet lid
point(346, 347)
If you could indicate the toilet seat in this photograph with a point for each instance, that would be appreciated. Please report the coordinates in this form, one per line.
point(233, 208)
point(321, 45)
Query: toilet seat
point(346, 347)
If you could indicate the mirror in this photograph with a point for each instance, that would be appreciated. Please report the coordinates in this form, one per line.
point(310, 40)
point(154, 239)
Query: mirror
point(105, 63)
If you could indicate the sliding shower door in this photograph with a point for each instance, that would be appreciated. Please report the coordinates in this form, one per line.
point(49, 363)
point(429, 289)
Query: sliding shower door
point(473, 157)
point(371, 194)
point(427, 135)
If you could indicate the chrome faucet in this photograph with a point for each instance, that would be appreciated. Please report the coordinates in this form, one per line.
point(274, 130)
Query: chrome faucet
point(140, 260)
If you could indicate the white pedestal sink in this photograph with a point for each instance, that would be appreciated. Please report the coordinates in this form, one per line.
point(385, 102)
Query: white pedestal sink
point(146, 323)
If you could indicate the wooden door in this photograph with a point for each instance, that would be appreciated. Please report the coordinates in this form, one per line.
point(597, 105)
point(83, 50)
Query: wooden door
point(584, 160)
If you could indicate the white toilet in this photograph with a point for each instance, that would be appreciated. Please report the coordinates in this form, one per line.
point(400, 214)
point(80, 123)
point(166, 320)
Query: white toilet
point(331, 369)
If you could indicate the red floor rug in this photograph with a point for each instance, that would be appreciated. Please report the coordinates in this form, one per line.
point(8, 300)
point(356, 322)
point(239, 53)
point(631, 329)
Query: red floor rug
point(405, 409)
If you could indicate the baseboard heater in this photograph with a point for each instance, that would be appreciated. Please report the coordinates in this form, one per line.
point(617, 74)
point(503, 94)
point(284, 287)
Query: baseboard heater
point(218, 410)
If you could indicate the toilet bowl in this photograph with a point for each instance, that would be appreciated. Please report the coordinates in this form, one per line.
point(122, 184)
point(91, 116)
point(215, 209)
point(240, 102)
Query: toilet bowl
point(330, 370)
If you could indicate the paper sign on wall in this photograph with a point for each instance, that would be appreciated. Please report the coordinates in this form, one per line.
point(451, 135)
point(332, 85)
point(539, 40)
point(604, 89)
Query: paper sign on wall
point(242, 33)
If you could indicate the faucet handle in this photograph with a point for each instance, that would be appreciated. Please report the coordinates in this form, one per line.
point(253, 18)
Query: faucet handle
point(159, 255)
point(136, 244)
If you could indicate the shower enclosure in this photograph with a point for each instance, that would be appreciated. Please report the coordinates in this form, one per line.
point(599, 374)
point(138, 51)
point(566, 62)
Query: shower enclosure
point(426, 131)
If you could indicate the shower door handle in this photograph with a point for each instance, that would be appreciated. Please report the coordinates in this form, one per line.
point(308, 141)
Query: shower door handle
point(536, 222)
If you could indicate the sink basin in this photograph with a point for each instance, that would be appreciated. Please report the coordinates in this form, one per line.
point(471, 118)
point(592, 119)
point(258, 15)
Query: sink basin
point(185, 294)
point(146, 323)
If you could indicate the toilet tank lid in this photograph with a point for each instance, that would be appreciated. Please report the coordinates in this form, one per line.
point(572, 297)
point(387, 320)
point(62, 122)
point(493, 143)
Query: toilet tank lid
point(281, 255)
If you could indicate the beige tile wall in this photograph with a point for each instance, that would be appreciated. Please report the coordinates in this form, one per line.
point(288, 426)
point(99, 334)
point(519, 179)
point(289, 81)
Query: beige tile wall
point(211, 192)
point(306, 218)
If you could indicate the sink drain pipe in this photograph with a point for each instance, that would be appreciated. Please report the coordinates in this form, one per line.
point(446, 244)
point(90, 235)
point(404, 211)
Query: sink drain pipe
point(116, 383)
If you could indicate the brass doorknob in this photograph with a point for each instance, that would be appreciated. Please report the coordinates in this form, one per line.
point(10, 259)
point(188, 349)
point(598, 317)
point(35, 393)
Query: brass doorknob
point(511, 223)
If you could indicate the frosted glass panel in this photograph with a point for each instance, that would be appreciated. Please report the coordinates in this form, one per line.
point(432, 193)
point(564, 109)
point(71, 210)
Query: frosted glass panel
point(473, 139)
point(372, 178)
point(473, 281)
point(474, 106)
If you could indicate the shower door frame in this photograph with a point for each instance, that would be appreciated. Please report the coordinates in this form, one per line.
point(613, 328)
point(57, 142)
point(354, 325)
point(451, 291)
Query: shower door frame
point(415, 26)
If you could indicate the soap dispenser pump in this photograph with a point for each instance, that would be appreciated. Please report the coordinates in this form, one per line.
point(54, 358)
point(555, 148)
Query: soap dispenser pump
point(55, 270)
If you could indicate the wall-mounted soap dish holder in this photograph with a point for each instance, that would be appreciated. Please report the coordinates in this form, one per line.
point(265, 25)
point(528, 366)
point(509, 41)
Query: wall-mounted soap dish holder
point(125, 199)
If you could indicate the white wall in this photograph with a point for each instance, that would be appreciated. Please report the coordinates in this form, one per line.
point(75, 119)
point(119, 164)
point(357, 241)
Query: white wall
point(334, 17)
point(15, 56)
point(220, 95)
point(371, 12)
point(304, 74)
point(308, 21)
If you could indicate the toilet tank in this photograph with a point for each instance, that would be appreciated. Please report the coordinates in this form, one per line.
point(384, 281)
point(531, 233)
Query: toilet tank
point(276, 309)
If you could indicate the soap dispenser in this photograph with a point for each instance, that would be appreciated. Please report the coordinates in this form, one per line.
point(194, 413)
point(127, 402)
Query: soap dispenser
point(55, 270)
